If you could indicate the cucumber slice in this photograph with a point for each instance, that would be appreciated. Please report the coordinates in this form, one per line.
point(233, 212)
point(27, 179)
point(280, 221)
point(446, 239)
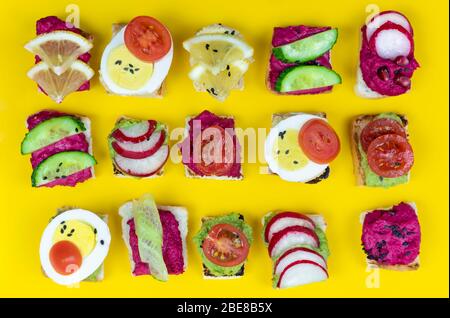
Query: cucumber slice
point(306, 49)
point(61, 165)
point(50, 131)
point(304, 77)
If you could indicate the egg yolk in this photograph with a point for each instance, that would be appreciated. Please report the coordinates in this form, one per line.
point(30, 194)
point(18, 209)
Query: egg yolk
point(78, 233)
point(127, 71)
point(287, 152)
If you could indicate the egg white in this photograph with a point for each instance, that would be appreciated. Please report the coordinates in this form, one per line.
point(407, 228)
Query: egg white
point(160, 70)
point(309, 172)
point(91, 262)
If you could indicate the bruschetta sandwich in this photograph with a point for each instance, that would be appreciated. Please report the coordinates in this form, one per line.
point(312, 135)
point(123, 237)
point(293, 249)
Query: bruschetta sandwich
point(386, 59)
point(223, 243)
point(211, 149)
point(300, 146)
point(300, 61)
point(297, 246)
point(138, 148)
point(138, 58)
point(60, 146)
point(382, 154)
point(155, 237)
point(74, 246)
point(219, 58)
point(61, 58)
point(391, 237)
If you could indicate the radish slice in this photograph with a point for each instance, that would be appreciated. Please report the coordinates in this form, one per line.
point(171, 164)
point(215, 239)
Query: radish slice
point(143, 167)
point(285, 219)
point(298, 254)
point(135, 133)
point(142, 149)
point(391, 41)
point(290, 237)
point(302, 273)
point(387, 16)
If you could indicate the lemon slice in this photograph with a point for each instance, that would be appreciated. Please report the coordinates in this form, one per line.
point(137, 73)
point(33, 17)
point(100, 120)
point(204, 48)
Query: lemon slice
point(220, 85)
point(59, 86)
point(216, 51)
point(59, 49)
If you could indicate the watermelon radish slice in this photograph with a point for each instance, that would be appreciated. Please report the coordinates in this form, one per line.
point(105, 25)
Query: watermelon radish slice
point(298, 254)
point(302, 273)
point(290, 237)
point(285, 219)
point(136, 133)
point(391, 41)
point(145, 167)
point(142, 149)
point(387, 16)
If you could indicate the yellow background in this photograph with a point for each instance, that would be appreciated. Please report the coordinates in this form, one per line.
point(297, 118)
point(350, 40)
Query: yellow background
point(25, 211)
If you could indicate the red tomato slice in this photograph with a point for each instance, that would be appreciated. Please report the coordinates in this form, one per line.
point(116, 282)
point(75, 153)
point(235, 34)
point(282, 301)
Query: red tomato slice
point(212, 162)
point(390, 156)
point(65, 257)
point(319, 141)
point(380, 127)
point(225, 245)
point(147, 38)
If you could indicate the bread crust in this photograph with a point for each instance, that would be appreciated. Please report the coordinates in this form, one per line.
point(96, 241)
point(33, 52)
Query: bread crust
point(159, 93)
point(358, 125)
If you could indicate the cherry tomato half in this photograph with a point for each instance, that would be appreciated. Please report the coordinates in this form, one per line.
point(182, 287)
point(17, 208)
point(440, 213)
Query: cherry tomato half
point(213, 140)
point(380, 127)
point(390, 156)
point(319, 141)
point(226, 245)
point(65, 257)
point(147, 38)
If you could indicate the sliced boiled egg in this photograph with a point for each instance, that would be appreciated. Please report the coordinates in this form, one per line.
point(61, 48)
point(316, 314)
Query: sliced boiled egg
point(124, 74)
point(284, 155)
point(73, 246)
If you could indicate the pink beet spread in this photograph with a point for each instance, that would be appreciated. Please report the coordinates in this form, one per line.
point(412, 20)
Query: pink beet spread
point(52, 23)
point(371, 63)
point(208, 119)
point(172, 248)
point(392, 237)
point(72, 143)
point(282, 36)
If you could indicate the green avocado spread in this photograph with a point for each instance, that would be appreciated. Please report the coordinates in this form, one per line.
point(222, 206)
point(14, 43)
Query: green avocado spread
point(371, 178)
point(232, 219)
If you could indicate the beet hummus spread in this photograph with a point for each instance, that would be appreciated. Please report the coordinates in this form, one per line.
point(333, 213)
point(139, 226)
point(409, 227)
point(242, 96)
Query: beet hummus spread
point(72, 143)
point(52, 23)
point(208, 119)
point(286, 35)
point(171, 248)
point(392, 237)
point(384, 76)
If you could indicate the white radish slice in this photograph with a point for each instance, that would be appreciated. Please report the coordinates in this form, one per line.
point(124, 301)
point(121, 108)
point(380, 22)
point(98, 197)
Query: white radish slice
point(392, 43)
point(135, 133)
point(387, 16)
point(143, 167)
point(285, 219)
point(290, 237)
point(302, 273)
point(142, 149)
point(298, 254)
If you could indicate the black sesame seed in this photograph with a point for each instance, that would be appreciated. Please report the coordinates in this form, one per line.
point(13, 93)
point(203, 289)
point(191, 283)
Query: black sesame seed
point(72, 230)
point(208, 90)
point(130, 65)
point(228, 67)
point(60, 164)
point(126, 69)
point(405, 243)
point(57, 170)
point(102, 242)
point(62, 231)
point(45, 178)
point(286, 152)
point(62, 222)
point(63, 177)
point(213, 91)
point(76, 129)
point(137, 69)
point(215, 51)
point(118, 62)
point(95, 231)
point(229, 74)
point(132, 71)
point(69, 235)
point(226, 32)
point(233, 32)
point(278, 152)
point(65, 227)
point(281, 134)
point(295, 162)
point(207, 46)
